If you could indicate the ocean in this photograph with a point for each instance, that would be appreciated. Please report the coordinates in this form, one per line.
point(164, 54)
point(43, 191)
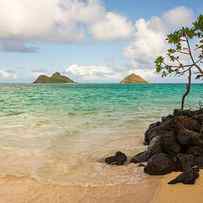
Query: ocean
point(60, 133)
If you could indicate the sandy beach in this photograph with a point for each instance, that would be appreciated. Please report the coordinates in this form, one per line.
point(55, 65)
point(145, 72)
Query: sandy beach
point(151, 190)
point(178, 193)
point(26, 190)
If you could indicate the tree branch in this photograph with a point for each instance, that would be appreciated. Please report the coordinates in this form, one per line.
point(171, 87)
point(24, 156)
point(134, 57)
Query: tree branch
point(191, 56)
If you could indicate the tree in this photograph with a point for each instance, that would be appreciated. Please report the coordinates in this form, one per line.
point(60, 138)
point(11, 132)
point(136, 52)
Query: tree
point(185, 55)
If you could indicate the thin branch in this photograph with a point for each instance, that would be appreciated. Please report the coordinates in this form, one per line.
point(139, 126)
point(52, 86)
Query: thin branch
point(186, 70)
point(182, 52)
point(191, 56)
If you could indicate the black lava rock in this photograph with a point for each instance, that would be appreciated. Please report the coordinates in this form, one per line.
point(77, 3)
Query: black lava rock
point(118, 159)
point(187, 177)
point(159, 164)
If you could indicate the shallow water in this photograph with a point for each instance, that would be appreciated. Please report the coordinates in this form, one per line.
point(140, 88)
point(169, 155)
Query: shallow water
point(59, 133)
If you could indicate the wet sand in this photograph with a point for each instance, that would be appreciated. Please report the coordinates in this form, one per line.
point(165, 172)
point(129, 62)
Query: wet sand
point(26, 190)
point(179, 193)
point(150, 190)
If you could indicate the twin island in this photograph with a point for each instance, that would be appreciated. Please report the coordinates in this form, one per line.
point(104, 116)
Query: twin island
point(59, 78)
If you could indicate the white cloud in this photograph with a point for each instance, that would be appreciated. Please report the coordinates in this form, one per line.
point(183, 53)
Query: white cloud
point(72, 20)
point(149, 38)
point(36, 74)
point(96, 73)
point(39, 20)
point(59, 21)
point(148, 41)
point(7, 75)
point(178, 16)
point(113, 26)
point(147, 74)
point(105, 73)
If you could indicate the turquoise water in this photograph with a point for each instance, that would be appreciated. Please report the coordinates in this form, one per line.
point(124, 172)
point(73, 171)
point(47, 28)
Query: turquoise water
point(59, 132)
point(82, 100)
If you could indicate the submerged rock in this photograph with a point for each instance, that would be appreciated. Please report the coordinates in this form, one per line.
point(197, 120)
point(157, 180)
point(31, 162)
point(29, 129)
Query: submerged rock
point(153, 148)
point(141, 157)
point(118, 159)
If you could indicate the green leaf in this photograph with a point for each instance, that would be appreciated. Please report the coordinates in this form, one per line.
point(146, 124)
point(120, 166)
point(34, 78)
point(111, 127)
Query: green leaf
point(198, 24)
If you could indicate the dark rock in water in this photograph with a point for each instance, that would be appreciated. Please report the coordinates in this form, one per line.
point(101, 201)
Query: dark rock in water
point(153, 148)
point(141, 157)
point(186, 161)
point(118, 159)
point(187, 177)
point(159, 164)
point(169, 144)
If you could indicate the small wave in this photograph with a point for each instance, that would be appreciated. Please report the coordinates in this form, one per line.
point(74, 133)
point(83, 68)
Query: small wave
point(14, 113)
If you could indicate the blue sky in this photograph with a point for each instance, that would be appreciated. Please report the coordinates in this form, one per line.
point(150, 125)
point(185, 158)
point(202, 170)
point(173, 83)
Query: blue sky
point(136, 9)
point(96, 41)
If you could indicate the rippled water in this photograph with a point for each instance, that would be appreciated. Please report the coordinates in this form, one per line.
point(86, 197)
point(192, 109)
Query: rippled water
point(57, 133)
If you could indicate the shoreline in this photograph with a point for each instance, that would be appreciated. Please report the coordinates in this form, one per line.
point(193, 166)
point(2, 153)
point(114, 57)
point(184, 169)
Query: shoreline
point(150, 189)
point(24, 189)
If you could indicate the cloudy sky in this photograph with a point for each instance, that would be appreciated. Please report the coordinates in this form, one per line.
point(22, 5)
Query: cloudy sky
point(88, 40)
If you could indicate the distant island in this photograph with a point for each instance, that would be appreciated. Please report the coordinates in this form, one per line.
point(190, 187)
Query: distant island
point(133, 78)
point(55, 78)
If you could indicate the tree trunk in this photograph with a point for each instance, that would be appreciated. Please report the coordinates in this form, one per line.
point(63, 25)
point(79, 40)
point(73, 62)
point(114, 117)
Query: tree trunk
point(188, 87)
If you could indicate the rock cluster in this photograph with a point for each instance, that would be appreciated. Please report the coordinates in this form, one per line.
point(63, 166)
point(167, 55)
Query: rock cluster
point(174, 144)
